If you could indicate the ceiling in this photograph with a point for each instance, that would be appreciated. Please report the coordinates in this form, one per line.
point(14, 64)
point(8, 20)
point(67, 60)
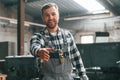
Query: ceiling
point(68, 8)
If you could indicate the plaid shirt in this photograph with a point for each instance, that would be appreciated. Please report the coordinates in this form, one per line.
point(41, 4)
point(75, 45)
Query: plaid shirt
point(39, 41)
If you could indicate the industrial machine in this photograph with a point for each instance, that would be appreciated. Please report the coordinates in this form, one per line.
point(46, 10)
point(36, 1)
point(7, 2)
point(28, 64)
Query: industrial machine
point(20, 68)
point(23, 68)
point(100, 60)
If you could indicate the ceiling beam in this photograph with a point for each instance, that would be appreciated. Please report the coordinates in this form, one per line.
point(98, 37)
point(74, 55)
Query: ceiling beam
point(89, 17)
point(108, 6)
point(11, 20)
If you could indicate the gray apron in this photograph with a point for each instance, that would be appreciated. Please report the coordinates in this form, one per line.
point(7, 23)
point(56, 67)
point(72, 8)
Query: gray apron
point(54, 70)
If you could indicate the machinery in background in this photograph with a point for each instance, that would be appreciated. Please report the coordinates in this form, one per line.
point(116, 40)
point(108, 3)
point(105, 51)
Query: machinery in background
point(7, 49)
point(21, 68)
point(24, 68)
point(2, 66)
point(100, 60)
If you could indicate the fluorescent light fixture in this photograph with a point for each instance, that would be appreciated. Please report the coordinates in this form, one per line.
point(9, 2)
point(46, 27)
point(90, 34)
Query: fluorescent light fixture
point(15, 22)
point(101, 11)
point(90, 5)
point(26, 23)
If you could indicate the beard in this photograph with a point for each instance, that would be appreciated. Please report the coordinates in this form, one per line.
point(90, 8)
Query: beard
point(51, 25)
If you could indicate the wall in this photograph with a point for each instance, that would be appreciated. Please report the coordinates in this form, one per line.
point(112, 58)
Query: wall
point(111, 25)
point(8, 32)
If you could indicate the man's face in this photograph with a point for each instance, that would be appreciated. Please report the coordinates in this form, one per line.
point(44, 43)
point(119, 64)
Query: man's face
point(51, 17)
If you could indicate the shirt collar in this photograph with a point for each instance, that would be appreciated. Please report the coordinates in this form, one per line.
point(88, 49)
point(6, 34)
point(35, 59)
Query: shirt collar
point(46, 31)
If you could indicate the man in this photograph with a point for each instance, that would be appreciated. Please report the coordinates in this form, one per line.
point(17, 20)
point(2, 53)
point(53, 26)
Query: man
point(56, 48)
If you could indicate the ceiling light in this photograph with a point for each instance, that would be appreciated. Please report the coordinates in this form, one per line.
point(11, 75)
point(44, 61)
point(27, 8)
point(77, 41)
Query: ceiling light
point(101, 11)
point(90, 5)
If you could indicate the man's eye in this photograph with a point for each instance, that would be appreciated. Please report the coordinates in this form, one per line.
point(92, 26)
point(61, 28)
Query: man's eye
point(45, 15)
point(53, 14)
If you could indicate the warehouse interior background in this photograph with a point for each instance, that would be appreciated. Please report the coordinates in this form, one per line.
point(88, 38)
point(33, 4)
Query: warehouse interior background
point(97, 34)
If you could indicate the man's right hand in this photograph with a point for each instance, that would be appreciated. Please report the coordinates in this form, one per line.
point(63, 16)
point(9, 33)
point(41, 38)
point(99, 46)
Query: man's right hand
point(44, 53)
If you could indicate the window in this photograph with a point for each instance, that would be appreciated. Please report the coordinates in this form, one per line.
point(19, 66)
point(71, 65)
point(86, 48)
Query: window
point(87, 39)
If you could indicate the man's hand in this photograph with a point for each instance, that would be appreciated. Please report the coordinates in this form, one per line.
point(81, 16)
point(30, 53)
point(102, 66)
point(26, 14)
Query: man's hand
point(44, 53)
point(84, 77)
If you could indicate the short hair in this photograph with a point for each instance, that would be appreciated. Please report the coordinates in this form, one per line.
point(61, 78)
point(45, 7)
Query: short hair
point(48, 5)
